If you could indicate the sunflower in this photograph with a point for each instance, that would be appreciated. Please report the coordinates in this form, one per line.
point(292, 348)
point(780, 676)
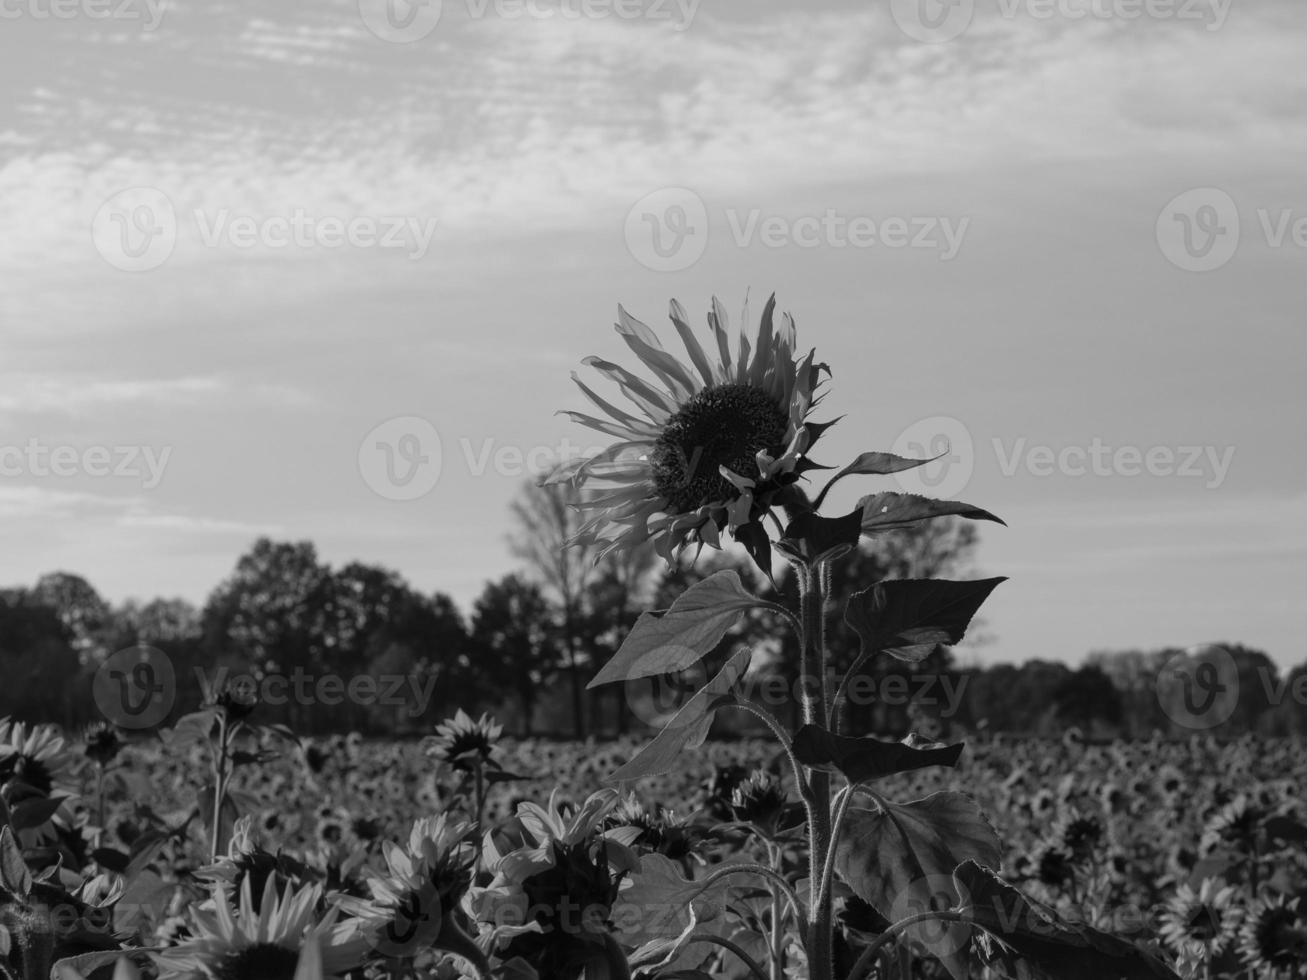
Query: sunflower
point(1274, 940)
point(37, 759)
point(718, 445)
point(413, 904)
point(1202, 923)
point(246, 857)
point(1235, 825)
point(286, 939)
point(551, 899)
point(760, 800)
point(655, 829)
point(124, 969)
point(102, 743)
point(1078, 835)
point(465, 743)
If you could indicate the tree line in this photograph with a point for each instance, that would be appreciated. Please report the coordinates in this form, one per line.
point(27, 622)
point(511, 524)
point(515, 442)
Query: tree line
point(534, 637)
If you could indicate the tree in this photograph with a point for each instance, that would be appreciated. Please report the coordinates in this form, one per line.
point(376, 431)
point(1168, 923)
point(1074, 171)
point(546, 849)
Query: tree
point(613, 601)
point(1134, 675)
point(514, 628)
point(547, 520)
point(272, 613)
point(37, 660)
point(158, 622)
point(1087, 696)
point(79, 607)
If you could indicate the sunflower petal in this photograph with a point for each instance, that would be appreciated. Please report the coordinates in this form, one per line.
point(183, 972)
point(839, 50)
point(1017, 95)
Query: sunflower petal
point(742, 362)
point(604, 405)
point(763, 355)
point(655, 404)
point(669, 370)
point(309, 965)
point(691, 343)
point(604, 426)
point(720, 324)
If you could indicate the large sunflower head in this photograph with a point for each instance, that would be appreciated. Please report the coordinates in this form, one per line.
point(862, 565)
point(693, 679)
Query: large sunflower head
point(272, 943)
point(715, 446)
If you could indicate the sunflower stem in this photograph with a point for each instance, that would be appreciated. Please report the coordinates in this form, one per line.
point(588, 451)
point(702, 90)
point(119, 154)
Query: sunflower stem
point(219, 787)
point(812, 615)
point(749, 962)
point(777, 920)
point(869, 954)
point(481, 808)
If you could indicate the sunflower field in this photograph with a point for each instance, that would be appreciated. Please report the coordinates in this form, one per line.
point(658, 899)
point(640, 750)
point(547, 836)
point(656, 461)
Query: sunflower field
point(1194, 847)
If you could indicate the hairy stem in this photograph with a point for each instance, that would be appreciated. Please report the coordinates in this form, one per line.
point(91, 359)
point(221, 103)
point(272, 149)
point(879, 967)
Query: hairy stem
point(842, 800)
point(774, 853)
point(774, 726)
point(774, 877)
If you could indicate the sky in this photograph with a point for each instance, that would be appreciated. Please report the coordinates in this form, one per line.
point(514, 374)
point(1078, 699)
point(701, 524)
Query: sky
point(322, 270)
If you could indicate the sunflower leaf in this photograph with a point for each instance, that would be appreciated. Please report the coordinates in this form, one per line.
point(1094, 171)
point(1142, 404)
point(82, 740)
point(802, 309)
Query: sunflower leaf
point(810, 538)
point(689, 727)
point(872, 464)
point(893, 511)
point(111, 859)
point(671, 641)
point(14, 875)
point(662, 906)
point(33, 813)
point(753, 536)
point(863, 759)
point(1049, 948)
point(900, 860)
point(908, 618)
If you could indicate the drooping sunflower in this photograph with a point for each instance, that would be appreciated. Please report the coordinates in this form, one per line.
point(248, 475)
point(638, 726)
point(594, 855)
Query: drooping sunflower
point(288, 934)
point(715, 445)
point(760, 800)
